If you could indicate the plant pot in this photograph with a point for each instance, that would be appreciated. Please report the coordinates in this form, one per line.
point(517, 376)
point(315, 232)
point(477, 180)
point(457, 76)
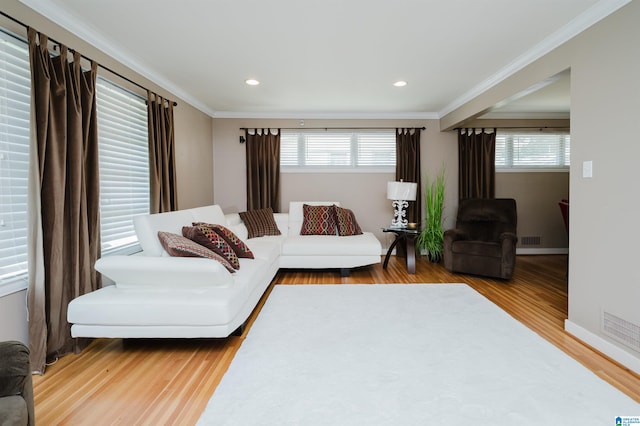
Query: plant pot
point(434, 257)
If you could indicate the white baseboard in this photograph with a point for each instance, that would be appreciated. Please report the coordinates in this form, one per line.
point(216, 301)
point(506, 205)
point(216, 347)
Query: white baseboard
point(613, 351)
point(526, 251)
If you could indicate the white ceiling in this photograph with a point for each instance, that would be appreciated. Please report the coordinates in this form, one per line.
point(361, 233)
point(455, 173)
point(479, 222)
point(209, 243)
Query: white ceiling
point(329, 58)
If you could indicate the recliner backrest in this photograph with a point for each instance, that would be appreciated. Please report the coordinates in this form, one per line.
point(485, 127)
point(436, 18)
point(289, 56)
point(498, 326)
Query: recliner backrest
point(485, 219)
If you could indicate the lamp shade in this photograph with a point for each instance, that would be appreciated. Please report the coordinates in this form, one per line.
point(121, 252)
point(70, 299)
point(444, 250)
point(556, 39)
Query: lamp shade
point(402, 191)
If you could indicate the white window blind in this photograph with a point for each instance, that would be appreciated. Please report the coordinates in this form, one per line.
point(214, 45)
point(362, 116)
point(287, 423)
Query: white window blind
point(15, 88)
point(338, 150)
point(533, 149)
point(124, 165)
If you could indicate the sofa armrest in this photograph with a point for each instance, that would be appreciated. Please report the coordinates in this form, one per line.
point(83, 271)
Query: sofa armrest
point(156, 271)
point(510, 237)
point(455, 235)
point(449, 237)
point(15, 374)
point(508, 240)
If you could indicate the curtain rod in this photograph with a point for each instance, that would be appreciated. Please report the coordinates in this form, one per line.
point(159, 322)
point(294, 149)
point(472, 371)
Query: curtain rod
point(512, 127)
point(333, 128)
point(84, 57)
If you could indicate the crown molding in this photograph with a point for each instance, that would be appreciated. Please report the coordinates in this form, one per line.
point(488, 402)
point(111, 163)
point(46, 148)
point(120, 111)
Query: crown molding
point(75, 26)
point(329, 115)
point(594, 14)
point(67, 21)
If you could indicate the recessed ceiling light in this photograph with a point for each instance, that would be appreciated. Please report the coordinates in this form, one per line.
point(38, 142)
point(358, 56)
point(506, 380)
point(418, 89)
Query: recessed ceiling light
point(400, 83)
point(252, 82)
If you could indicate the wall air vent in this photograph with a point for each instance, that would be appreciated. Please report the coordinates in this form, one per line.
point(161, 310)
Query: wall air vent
point(529, 241)
point(621, 330)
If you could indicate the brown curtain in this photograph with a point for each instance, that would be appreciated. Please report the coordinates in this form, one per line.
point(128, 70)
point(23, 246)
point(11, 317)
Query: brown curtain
point(263, 169)
point(408, 167)
point(476, 164)
point(65, 150)
point(162, 155)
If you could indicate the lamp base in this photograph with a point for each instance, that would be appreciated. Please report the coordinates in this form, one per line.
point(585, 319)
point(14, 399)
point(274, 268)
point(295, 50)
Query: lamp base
point(399, 214)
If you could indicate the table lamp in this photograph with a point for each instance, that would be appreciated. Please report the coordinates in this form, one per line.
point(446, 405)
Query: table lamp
point(401, 193)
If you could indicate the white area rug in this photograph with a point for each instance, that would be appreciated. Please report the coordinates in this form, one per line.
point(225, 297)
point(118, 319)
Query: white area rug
point(437, 354)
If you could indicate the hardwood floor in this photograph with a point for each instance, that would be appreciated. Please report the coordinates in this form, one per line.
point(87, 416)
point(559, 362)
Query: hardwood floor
point(154, 382)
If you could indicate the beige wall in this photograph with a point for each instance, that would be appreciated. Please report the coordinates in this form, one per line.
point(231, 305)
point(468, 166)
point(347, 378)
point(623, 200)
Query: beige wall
point(605, 86)
point(364, 193)
point(193, 135)
point(537, 196)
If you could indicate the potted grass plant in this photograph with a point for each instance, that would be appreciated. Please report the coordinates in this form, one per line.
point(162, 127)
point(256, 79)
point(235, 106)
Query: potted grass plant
point(432, 235)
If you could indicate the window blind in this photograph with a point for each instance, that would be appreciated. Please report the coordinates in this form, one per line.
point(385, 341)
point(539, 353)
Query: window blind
point(533, 149)
point(338, 150)
point(15, 100)
point(124, 164)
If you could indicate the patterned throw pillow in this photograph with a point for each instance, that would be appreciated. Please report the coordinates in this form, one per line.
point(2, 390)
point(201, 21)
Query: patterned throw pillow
point(205, 236)
point(347, 223)
point(260, 222)
point(318, 220)
point(177, 245)
point(238, 246)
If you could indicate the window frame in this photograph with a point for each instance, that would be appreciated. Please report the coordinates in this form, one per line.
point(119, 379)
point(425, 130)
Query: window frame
point(355, 141)
point(563, 151)
point(16, 280)
point(133, 246)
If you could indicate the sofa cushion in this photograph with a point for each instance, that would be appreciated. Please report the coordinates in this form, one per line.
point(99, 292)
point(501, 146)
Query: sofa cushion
point(260, 222)
point(346, 221)
point(13, 410)
point(207, 237)
point(296, 215)
point(318, 220)
point(238, 246)
point(177, 245)
point(331, 245)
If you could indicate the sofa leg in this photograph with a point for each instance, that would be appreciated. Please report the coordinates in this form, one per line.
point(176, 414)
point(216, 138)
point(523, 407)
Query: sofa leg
point(344, 272)
point(238, 331)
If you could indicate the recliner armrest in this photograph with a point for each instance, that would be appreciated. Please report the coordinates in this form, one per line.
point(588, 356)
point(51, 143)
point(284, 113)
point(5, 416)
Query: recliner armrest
point(509, 236)
point(455, 235)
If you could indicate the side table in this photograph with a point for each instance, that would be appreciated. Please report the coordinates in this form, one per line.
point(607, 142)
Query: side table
point(408, 238)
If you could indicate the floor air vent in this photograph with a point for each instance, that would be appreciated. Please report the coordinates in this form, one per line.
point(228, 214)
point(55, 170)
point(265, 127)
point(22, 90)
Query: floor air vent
point(530, 241)
point(621, 330)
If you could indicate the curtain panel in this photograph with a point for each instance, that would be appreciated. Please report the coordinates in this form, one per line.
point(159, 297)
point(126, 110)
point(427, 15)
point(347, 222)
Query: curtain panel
point(263, 169)
point(64, 229)
point(408, 167)
point(476, 164)
point(162, 155)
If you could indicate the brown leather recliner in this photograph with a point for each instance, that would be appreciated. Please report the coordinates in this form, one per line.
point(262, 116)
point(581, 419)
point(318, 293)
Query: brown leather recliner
point(484, 239)
point(16, 388)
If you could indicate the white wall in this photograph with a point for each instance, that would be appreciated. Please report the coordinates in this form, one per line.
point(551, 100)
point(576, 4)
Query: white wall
point(13, 317)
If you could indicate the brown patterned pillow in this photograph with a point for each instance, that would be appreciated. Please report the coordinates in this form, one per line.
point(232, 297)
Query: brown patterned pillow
point(318, 220)
point(177, 245)
point(260, 222)
point(238, 246)
point(205, 236)
point(347, 223)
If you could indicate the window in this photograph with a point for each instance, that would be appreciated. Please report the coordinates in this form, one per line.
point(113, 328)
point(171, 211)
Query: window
point(532, 150)
point(123, 152)
point(124, 165)
point(333, 150)
point(15, 101)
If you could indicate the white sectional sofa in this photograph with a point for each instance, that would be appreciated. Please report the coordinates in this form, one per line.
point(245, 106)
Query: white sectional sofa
point(159, 296)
